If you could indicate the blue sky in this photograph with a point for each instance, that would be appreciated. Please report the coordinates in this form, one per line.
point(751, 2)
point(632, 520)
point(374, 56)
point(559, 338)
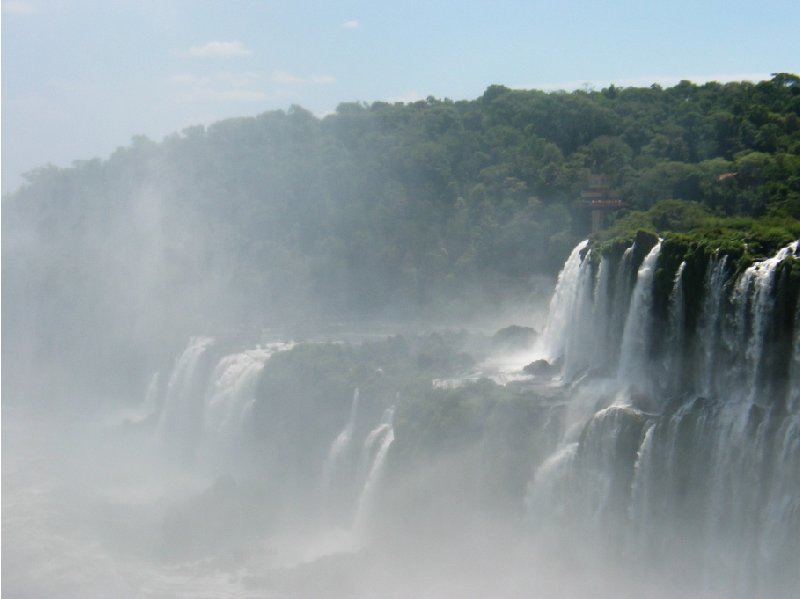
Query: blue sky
point(81, 77)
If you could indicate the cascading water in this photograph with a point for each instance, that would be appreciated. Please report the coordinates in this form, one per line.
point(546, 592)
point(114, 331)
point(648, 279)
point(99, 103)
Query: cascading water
point(755, 288)
point(149, 408)
point(670, 442)
point(550, 480)
point(204, 409)
point(338, 458)
point(642, 483)
point(228, 401)
point(714, 287)
point(621, 299)
point(633, 353)
point(673, 363)
point(577, 348)
point(553, 339)
point(601, 309)
point(703, 471)
point(182, 414)
point(793, 401)
point(376, 448)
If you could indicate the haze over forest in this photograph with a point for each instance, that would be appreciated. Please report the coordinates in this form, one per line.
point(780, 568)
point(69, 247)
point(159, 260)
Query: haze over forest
point(381, 210)
point(299, 356)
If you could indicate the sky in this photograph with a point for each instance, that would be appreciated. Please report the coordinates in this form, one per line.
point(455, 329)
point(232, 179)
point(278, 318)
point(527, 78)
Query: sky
point(80, 78)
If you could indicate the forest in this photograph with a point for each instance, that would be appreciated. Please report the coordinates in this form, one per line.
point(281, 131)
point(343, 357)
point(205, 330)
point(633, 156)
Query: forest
point(382, 210)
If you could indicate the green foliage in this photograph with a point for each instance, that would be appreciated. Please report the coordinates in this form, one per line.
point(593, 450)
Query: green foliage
point(693, 225)
point(691, 233)
point(388, 207)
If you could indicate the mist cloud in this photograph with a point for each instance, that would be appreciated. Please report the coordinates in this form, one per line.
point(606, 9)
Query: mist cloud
point(217, 49)
point(286, 78)
point(237, 87)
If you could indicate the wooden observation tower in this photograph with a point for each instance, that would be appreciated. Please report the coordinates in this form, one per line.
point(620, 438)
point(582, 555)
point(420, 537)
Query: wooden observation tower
point(599, 199)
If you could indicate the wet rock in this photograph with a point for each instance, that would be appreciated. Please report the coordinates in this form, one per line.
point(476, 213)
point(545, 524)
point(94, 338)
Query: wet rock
point(542, 368)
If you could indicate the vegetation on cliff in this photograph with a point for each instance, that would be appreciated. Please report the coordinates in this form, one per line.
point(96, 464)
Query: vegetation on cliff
point(386, 208)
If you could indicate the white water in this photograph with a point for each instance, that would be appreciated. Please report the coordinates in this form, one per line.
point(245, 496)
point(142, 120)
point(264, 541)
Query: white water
point(712, 486)
point(754, 288)
point(710, 324)
point(578, 349)
point(182, 410)
point(376, 448)
point(601, 311)
point(340, 447)
point(228, 400)
point(550, 480)
point(203, 416)
point(553, 339)
point(638, 323)
point(621, 299)
point(671, 380)
point(641, 485)
point(695, 492)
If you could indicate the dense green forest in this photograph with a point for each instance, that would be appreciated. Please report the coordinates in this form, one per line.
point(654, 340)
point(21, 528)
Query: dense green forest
point(378, 209)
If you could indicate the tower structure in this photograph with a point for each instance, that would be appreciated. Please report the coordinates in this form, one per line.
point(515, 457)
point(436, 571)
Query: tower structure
point(599, 199)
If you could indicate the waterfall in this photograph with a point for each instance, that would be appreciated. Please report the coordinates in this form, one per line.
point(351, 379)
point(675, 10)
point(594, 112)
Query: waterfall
point(793, 401)
point(578, 349)
point(340, 448)
point(714, 287)
point(674, 344)
point(709, 480)
point(181, 413)
point(676, 308)
point(376, 448)
point(553, 339)
point(550, 480)
point(633, 354)
point(150, 405)
point(754, 290)
point(149, 409)
point(228, 400)
point(678, 453)
point(601, 313)
point(605, 465)
point(641, 487)
point(206, 403)
point(621, 301)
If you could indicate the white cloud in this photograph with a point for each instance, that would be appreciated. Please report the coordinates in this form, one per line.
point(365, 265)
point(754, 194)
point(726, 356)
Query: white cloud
point(286, 78)
point(351, 24)
point(229, 87)
point(185, 78)
point(240, 95)
point(238, 79)
point(216, 49)
point(16, 7)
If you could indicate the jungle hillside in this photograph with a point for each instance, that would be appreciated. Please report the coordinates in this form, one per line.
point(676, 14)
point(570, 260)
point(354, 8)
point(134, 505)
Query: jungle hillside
point(382, 210)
